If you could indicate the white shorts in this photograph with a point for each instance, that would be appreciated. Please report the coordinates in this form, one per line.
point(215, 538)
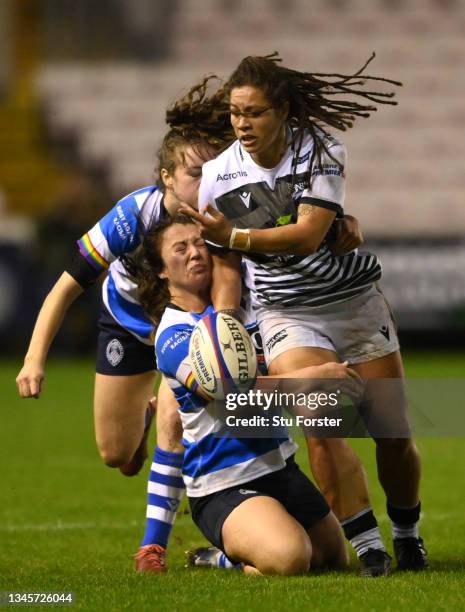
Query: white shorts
point(358, 330)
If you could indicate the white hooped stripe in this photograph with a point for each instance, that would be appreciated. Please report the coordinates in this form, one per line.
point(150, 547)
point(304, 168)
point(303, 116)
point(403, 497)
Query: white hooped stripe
point(160, 489)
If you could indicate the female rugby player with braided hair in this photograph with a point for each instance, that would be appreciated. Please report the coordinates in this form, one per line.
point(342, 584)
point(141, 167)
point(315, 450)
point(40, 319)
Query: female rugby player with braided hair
point(271, 197)
point(125, 360)
point(212, 126)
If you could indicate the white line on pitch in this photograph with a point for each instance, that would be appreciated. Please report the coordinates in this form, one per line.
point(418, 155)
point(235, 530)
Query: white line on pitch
point(62, 526)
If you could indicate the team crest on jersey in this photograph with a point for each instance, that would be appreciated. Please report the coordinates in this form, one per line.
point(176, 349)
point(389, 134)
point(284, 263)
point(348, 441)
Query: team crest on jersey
point(114, 352)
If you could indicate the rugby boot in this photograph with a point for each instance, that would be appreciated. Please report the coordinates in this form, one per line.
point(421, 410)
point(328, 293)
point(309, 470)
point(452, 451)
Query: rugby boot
point(151, 558)
point(203, 557)
point(375, 562)
point(410, 554)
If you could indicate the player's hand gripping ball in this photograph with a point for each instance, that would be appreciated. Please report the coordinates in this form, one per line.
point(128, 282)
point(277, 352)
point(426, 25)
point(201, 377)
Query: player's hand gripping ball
point(222, 356)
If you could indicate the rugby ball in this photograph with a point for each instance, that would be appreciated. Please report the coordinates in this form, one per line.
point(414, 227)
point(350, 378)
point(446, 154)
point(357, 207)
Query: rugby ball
point(222, 356)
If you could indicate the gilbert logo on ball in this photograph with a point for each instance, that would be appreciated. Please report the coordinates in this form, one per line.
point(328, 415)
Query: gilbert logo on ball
point(222, 356)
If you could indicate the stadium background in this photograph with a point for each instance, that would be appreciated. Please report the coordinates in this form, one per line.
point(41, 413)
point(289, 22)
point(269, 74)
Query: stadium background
point(83, 89)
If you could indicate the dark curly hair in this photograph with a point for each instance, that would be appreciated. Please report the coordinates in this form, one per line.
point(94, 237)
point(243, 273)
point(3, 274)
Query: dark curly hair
point(314, 99)
point(196, 120)
point(146, 266)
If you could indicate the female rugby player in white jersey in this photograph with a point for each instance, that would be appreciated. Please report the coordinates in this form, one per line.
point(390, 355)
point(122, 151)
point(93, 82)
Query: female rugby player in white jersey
point(272, 196)
point(125, 370)
point(266, 515)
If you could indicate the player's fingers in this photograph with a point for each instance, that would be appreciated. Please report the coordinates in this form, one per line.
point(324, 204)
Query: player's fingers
point(213, 212)
point(190, 212)
point(353, 374)
point(23, 388)
point(35, 386)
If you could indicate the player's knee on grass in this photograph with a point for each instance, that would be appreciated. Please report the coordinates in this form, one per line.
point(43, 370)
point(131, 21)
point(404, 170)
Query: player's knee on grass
point(283, 556)
point(288, 560)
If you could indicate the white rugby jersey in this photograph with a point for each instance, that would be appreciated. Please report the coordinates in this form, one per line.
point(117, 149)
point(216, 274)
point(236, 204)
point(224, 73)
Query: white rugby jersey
point(255, 197)
point(116, 234)
point(211, 463)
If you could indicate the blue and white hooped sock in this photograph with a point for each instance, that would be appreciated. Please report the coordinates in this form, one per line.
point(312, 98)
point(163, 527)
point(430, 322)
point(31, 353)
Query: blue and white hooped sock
point(165, 491)
point(225, 563)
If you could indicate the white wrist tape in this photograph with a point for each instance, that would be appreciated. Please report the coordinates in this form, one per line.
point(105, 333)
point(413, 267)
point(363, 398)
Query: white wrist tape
point(240, 239)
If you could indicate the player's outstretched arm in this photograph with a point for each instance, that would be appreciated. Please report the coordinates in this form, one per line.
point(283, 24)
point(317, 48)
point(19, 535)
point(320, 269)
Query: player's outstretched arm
point(311, 378)
point(301, 238)
point(30, 379)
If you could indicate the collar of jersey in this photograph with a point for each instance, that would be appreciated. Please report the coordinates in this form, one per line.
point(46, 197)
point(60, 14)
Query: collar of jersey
point(196, 315)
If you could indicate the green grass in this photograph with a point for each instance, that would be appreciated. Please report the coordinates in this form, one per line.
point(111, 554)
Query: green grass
point(67, 523)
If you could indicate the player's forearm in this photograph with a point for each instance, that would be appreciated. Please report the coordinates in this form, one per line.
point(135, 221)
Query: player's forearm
point(51, 315)
point(227, 283)
point(288, 240)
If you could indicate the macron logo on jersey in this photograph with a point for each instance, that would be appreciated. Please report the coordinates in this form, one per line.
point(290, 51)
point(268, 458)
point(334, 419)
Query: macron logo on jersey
point(245, 197)
point(231, 175)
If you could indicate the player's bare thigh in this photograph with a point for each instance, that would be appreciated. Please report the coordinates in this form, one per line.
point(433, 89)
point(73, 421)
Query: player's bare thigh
point(389, 366)
point(300, 357)
point(261, 533)
point(120, 403)
point(169, 427)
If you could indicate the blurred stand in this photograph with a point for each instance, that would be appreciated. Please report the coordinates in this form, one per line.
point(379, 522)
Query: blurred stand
point(87, 84)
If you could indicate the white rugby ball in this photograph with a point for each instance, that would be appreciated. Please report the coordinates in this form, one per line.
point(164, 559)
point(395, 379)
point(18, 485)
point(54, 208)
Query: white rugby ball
point(222, 356)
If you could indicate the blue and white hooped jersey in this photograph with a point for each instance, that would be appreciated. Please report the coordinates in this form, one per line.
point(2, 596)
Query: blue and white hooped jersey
point(116, 234)
point(211, 463)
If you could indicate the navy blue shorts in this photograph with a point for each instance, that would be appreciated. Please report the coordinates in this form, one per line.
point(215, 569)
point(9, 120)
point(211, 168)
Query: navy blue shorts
point(290, 486)
point(119, 353)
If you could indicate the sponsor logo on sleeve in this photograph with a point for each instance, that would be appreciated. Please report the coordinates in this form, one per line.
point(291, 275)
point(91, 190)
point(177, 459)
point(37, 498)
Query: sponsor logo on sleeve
point(173, 341)
point(328, 170)
point(122, 225)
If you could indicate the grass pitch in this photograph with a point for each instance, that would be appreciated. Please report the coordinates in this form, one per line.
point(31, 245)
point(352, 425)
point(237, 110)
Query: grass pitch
point(67, 523)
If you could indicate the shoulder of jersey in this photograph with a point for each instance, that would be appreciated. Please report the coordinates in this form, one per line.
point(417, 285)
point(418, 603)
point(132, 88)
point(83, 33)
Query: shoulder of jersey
point(174, 318)
point(141, 195)
point(228, 155)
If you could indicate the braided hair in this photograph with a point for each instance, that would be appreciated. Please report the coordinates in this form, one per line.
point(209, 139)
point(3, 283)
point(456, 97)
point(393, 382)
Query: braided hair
point(314, 98)
point(314, 101)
